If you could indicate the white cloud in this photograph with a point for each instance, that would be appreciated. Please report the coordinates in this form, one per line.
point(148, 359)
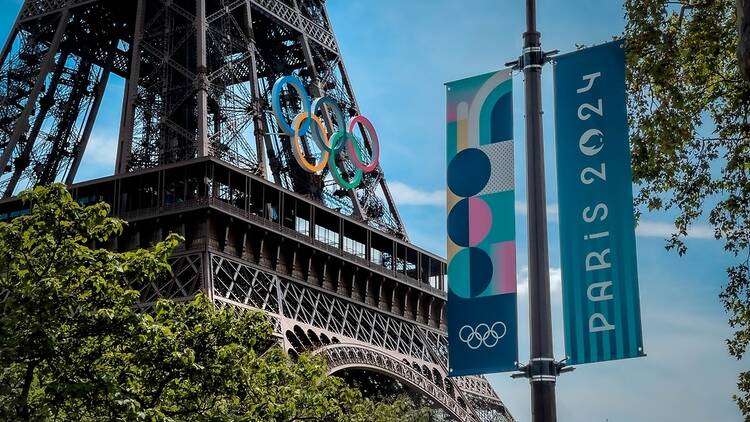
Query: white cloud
point(555, 280)
point(552, 213)
point(102, 149)
point(404, 194)
point(664, 230)
point(645, 228)
point(691, 323)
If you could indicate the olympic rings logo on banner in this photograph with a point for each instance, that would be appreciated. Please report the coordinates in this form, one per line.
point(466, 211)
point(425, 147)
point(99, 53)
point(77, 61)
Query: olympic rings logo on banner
point(482, 335)
point(306, 121)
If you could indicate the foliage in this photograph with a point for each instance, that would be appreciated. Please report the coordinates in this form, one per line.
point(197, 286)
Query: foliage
point(66, 304)
point(690, 133)
point(73, 345)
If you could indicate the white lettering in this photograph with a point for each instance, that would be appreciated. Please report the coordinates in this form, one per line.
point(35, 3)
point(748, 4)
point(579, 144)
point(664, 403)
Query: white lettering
point(601, 174)
point(599, 207)
point(601, 294)
point(590, 78)
point(603, 324)
point(590, 146)
point(601, 258)
point(586, 106)
point(593, 236)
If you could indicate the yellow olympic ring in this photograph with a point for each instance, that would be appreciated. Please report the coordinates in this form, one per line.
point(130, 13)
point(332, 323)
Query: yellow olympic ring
point(299, 154)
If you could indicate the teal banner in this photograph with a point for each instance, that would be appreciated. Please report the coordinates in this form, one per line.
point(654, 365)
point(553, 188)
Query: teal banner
point(595, 191)
point(482, 315)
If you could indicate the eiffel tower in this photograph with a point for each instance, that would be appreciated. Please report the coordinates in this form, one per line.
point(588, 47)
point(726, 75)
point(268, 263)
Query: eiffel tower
point(201, 153)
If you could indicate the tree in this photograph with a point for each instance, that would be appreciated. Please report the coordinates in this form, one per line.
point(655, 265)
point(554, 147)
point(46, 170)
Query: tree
point(64, 303)
point(743, 31)
point(689, 111)
point(73, 345)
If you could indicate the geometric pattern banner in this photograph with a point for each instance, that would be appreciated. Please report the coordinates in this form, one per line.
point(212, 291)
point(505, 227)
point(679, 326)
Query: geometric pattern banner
point(595, 197)
point(481, 313)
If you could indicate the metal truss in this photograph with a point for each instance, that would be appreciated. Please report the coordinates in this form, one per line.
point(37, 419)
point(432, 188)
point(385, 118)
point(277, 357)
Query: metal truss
point(51, 85)
point(320, 297)
point(294, 19)
point(35, 9)
point(185, 280)
point(344, 356)
point(350, 334)
point(199, 76)
point(242, 283)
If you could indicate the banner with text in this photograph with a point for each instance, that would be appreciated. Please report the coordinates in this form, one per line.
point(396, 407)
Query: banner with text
point(597, 227)
point(482, 319)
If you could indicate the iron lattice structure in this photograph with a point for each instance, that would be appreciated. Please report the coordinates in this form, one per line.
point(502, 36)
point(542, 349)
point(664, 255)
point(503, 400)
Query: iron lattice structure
point(200, 153)
point(199, 77)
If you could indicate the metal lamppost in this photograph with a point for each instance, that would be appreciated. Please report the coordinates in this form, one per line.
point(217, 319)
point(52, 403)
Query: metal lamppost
point(542, 369)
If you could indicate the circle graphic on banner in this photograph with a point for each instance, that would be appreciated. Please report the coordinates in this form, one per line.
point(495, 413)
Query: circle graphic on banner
point(468, 172)
point(469, 222)
point(478, 265)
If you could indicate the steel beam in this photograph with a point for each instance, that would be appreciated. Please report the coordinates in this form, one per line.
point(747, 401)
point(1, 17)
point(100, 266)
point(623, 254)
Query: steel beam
point(23, 120)
point(125, 143)
point(34, 10)
point(89, 125)
point(201, 79)
point(260, 127)
point(295, 21)
point(46, 103)
point(8, 46)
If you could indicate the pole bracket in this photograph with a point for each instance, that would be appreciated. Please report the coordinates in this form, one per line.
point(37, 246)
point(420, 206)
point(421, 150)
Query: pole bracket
point(532, 57)
point(542, 369)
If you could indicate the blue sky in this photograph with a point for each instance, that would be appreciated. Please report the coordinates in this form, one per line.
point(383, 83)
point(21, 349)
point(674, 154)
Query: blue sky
point(399, 53)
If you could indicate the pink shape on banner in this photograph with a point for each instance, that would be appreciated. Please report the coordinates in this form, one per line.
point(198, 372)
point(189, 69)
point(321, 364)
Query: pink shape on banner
point(505, 267)
point(480, 220)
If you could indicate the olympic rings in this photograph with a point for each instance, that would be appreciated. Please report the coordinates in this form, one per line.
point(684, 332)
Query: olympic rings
point(316, 104)
point(483, 334)
point(335, 171)
point(375, 144)
point(331, 146)
point(299, 155)
point(276, 102)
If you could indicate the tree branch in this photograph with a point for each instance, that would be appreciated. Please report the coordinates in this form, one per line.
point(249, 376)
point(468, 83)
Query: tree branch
point(24, 412)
